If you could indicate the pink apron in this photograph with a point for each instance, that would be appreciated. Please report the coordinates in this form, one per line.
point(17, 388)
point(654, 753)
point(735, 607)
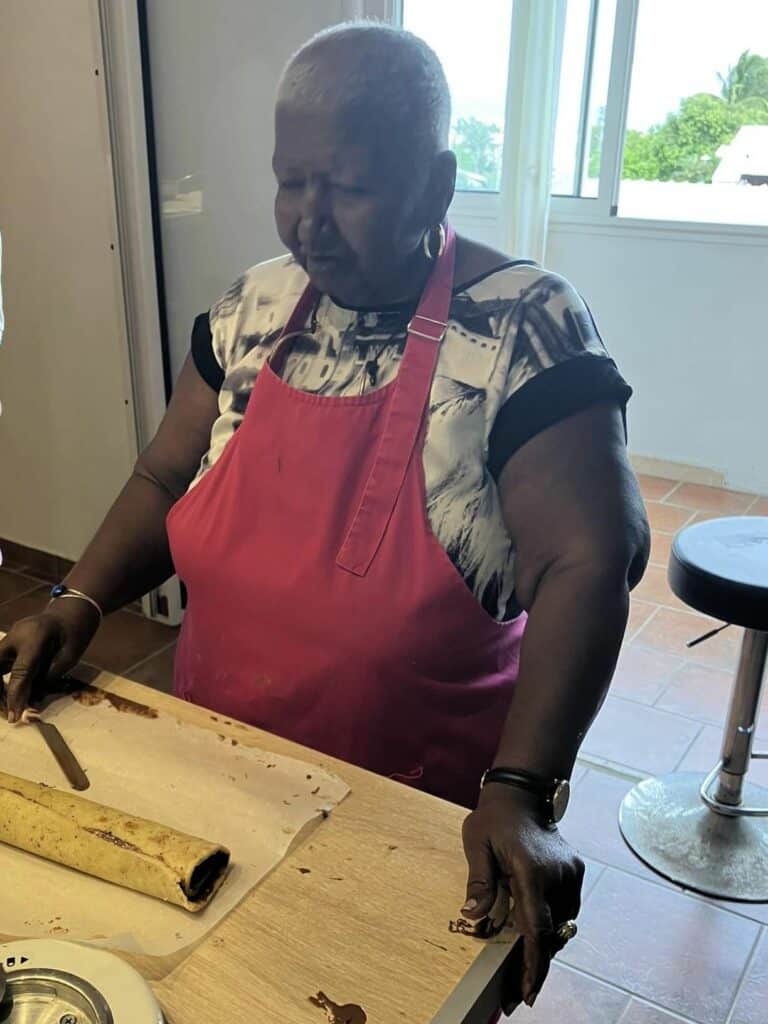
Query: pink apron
point(321, 606)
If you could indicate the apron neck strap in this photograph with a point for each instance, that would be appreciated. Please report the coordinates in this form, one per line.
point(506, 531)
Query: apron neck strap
point(403, 429)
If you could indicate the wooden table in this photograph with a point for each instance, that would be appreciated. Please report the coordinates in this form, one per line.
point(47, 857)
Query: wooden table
point(359, 910)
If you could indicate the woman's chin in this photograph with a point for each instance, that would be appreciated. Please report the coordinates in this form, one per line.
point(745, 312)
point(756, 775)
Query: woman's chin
point(331, 278)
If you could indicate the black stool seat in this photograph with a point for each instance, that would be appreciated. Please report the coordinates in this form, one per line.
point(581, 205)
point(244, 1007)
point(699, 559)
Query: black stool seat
point(720, 568)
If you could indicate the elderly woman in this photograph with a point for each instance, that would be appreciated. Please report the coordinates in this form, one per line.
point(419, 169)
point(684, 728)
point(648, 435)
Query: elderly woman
point(393, 479)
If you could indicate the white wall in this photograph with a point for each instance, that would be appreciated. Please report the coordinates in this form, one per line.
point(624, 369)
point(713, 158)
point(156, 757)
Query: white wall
point(66, 434)
point(686, 317)
point(215, 68)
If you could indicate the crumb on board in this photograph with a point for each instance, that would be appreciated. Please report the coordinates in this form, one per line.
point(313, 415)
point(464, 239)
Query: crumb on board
point(315, 791)
point(89, 696)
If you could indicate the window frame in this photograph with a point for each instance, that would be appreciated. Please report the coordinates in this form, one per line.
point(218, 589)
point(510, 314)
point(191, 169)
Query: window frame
point(604, 206)
point(600, 214)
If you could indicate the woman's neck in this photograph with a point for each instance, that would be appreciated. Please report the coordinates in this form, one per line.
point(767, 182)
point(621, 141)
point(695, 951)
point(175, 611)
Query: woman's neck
point(403, 288)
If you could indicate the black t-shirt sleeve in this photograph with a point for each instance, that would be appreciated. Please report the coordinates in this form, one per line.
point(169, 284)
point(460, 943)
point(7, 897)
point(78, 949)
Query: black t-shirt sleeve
point(202, 353)
point(558, 365)
point(552, 395)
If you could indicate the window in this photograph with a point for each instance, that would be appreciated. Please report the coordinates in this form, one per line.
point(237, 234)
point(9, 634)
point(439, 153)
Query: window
point(696, 144)
point(583, 95)
point(475, 55)
point(663, 105)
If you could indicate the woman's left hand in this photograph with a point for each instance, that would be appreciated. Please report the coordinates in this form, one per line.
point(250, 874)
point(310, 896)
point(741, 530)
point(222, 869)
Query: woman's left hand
point(511, 852)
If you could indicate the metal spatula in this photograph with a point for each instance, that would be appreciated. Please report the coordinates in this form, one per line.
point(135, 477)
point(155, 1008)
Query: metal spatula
point(67, 760)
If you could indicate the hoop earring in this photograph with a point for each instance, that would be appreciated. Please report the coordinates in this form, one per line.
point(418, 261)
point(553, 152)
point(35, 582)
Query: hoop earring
point(426, 242)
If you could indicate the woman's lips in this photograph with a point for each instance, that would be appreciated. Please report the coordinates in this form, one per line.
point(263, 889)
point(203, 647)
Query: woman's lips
point(322, 259)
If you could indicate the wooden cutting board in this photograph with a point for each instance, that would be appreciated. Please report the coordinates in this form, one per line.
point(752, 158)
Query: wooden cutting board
point(360, 912)
point(148, 764)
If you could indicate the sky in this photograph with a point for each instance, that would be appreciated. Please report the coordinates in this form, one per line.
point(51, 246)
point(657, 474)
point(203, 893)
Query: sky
point(474, 50)
point(680, 46)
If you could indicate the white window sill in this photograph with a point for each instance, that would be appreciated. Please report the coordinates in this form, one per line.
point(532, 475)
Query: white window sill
point(679, 231)
point(486, 207)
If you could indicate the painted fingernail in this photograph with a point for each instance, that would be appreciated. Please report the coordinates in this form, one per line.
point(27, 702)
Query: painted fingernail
point(469, 906)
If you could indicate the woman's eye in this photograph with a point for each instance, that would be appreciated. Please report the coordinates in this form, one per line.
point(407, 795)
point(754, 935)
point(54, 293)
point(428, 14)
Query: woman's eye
point(349, 190)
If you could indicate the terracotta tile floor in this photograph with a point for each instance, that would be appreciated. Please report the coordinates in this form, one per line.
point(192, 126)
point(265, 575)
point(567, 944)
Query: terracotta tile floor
point(647, 952)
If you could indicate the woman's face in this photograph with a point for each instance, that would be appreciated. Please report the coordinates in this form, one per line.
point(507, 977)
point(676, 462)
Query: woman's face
point(346, 207)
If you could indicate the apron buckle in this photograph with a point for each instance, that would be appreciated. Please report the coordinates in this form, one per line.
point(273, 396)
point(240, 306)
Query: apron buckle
point(427, 320)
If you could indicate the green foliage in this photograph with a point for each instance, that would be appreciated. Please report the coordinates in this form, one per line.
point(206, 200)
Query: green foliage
point(596, 145)
point(746, 80)
point(477, 147)
point(684, 147)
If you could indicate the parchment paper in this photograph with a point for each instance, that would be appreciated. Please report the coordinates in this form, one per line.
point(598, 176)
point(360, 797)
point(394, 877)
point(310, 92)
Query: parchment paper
point(197, 781)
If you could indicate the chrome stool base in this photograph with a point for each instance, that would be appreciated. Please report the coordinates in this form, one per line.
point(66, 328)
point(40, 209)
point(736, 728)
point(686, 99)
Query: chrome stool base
point(666, 823)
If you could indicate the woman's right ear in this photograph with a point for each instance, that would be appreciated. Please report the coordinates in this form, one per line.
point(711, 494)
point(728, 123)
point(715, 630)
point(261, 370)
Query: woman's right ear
point(443, 184)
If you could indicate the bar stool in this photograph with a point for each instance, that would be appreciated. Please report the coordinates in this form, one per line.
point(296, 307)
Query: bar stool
point(710, 833)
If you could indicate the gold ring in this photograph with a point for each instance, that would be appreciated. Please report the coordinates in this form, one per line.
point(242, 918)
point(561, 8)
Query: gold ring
point(567, 931)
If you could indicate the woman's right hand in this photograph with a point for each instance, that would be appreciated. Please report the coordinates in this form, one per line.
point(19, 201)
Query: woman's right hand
point(42, 648)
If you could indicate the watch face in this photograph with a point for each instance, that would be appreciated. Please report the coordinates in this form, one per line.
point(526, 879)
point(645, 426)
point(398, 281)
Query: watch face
point(560, 798)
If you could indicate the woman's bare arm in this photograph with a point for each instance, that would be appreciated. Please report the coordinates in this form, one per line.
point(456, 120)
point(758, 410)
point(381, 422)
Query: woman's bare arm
point(573, 508)
point(129, 554)
point(574, 511)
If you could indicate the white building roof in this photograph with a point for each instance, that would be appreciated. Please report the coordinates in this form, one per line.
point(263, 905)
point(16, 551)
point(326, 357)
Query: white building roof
point(747, 154)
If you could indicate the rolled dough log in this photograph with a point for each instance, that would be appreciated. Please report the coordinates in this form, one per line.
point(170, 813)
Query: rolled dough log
point(109, 844)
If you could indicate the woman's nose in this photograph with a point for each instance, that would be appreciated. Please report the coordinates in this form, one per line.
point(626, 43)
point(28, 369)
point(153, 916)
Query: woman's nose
point(314, 218)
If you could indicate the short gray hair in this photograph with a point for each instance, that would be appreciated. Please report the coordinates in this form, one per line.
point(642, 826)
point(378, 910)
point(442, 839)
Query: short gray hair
point(388, 76)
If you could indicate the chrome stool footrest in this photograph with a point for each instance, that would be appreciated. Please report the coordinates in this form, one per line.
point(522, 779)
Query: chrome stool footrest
point(728, 810)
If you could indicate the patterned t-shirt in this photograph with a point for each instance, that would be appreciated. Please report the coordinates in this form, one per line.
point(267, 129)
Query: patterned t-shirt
point(521, 352)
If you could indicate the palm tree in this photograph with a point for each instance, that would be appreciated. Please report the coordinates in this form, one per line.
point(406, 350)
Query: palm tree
point(746, 83)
